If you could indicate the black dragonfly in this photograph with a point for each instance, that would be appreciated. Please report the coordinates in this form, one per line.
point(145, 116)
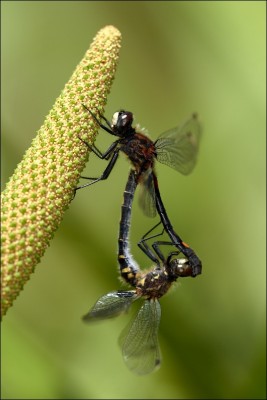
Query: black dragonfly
point(139, 340)
point(177, 148)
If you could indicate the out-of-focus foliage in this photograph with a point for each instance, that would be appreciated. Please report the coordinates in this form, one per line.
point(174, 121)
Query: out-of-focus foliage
point(177, 57)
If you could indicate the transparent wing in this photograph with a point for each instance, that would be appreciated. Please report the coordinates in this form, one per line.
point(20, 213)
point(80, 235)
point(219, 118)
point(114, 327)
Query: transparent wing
point(139, 340)
point(178, 147)
point(110, 305)
point(147, 194)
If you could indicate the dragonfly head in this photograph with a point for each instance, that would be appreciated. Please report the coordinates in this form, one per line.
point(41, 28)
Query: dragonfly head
point(180, 267)
point(122, 123)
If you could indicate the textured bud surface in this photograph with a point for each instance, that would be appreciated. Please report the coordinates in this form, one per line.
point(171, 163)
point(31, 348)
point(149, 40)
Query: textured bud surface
point(42, 186)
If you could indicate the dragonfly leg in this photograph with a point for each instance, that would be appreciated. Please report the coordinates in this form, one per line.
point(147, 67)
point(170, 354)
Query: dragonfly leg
point(105, 174)
point(146, 249)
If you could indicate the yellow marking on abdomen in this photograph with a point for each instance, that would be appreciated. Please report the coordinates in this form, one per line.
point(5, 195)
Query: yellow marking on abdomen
point(126, 270)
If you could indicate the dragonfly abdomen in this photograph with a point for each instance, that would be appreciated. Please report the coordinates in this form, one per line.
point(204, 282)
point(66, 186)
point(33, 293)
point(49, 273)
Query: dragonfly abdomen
point(129, 269)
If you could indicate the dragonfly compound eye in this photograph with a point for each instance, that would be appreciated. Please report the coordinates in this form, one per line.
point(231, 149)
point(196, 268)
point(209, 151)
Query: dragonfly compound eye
point(181, 267)
point(122, 119)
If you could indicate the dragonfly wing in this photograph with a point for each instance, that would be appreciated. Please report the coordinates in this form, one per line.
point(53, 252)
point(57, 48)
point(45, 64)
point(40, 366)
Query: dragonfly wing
point(178, 147)
point(139, 340)
point(110, 305)
point(147, 194)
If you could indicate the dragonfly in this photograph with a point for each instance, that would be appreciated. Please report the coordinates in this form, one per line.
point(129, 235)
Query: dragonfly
point(177, 148)
point(139, 340)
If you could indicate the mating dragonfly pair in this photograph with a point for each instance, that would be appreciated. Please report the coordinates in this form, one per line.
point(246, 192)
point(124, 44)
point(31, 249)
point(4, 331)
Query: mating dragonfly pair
point(177, 148)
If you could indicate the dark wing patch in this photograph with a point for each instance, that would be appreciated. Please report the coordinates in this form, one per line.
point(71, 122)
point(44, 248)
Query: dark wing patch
point(147, 194)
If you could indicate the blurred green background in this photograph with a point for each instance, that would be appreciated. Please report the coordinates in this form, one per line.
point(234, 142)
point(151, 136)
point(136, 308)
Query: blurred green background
point(176, 58)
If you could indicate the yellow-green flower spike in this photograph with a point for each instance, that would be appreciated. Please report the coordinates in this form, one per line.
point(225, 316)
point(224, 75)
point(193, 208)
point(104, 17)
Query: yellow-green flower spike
point(43, 184)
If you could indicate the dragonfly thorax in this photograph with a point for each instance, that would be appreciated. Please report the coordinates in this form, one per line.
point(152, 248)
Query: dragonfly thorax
point(154, 284)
